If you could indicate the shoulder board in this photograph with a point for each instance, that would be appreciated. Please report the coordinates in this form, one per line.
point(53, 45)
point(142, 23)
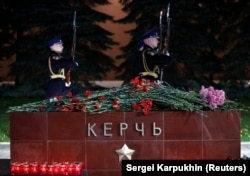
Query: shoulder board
point(55, 57)
point(151, 52)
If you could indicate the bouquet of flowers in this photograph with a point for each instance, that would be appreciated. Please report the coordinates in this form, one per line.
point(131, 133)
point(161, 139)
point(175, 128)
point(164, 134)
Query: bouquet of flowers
point(139, 95)
point(213, 97)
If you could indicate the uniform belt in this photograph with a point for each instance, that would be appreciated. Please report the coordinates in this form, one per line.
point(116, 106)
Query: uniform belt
point(149, 74)
point(55, 76)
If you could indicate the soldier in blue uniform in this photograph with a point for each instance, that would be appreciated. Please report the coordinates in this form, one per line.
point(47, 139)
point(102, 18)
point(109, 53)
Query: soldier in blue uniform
point(57, 67)
point(149, 59)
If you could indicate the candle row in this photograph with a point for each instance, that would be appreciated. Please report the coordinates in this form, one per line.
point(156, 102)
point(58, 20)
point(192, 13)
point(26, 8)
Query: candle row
point(55, 168)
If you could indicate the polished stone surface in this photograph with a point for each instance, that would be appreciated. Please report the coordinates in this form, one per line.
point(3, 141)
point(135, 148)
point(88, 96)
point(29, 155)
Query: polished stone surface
point(94, 138)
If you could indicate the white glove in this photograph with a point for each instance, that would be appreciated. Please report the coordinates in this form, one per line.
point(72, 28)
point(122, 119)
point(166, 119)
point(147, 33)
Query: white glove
point(67, 84)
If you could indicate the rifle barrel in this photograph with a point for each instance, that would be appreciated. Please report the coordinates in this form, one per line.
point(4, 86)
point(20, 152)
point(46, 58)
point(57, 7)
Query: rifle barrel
point(74, 37)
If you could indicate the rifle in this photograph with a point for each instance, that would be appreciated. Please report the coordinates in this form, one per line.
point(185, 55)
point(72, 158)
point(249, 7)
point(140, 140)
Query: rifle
point(168, 30)
point(164, 42)
point(161, 31)
point(73, 49)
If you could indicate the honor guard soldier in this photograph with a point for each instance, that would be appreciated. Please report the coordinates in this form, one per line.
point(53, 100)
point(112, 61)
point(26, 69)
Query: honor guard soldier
point(57, 66)
point(149, 59)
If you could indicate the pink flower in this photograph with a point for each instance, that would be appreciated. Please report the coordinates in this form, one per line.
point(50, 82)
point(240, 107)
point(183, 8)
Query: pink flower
point(212, 97)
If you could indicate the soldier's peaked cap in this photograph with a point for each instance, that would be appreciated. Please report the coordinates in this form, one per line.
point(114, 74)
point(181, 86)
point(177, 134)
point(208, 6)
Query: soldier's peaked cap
point(54, 41)
point(151, 33)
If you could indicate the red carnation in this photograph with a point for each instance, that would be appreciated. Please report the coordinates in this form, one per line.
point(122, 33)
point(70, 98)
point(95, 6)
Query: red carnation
point(136, 107)
point(88, 93)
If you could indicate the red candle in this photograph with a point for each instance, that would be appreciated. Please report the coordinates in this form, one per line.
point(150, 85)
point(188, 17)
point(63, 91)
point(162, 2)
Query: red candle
point(43, 168)
point(15, 168)
point(56, 169)
point(70, 169)
point(66, 165)
point(50, 170)
point(61, 169)
point(25, 168)
point(18, 168)
point(77, 168)
point(12, 167)
point(34, 168)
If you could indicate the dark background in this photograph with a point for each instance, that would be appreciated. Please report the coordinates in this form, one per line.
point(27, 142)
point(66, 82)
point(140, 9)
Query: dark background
point(210, 41)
